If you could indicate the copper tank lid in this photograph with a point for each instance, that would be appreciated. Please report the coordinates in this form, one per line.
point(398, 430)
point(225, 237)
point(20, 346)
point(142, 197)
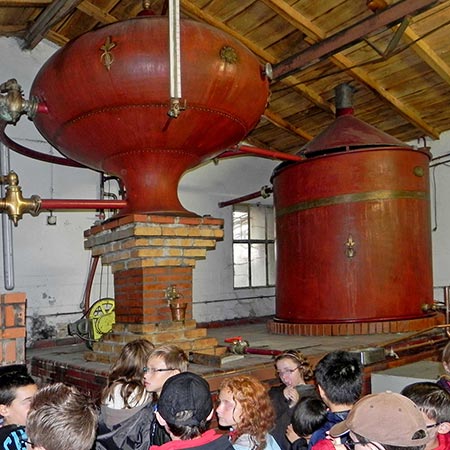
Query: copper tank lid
point(347, 132)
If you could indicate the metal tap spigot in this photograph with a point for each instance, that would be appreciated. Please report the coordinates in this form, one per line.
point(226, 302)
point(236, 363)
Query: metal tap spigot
point(12, 103)
point(14, 204)
point(172, 295)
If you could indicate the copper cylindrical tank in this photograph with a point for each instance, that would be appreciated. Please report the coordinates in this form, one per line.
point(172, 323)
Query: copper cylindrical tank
point(108, 97)
point(353, 228)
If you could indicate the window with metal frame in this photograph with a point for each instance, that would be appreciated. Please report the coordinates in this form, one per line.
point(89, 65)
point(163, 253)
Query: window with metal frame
point(253, 246)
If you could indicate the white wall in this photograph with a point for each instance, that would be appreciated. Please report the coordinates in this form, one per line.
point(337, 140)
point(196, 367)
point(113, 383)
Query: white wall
point(201, 190)
point(51, 265)
point(440, 215)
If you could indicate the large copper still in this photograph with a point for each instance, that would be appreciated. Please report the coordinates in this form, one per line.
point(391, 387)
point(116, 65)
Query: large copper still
point(107, 94)
point(353, 227)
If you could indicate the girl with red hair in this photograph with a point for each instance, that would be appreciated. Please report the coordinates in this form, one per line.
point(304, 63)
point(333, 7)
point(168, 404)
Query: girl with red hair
point(245, 407)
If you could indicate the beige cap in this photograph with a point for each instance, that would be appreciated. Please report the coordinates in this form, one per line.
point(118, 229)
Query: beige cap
point(387, 418)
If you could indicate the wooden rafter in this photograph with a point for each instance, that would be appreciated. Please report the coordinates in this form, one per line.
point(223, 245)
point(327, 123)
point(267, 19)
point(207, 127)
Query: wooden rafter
point(52, 14)
point(10, 30)
point(95, 12)
point(57, 38)
point(278, 121)
point(24, 3)
point(428, 55)
point(316, 34)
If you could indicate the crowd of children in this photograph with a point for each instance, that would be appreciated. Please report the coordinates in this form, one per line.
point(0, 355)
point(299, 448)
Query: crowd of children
point(152, 402)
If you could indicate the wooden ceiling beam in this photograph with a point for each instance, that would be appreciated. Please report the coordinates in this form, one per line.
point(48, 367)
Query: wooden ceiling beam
point(96, 13)
point(278, 121)
point(427, 54)
point(57, 38)
point(24, 3)
point(316, 34)
point(330, 45)
point(52, 14)
point(10, 30)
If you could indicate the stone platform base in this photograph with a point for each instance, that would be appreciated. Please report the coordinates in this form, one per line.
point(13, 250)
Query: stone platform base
point(185, 335)
point(350, 329)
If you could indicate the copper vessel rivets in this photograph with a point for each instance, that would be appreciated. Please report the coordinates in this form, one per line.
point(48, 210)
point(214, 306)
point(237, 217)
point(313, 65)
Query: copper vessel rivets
point(107, 58)
point(228, 54)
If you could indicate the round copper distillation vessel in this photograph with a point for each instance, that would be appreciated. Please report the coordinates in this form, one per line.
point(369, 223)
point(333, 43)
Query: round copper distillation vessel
point(353, 230)
point(108, 100)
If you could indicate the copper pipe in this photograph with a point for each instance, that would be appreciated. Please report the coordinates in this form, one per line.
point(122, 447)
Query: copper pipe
point(54, 204)
point(33, 153)
point(264, 192)
point(90, 280)
point(418, 333)
point(248, 149)
point(447, 307)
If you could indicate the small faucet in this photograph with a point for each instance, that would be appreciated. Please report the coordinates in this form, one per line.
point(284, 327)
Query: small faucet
point(172, 295)
point(14, 204)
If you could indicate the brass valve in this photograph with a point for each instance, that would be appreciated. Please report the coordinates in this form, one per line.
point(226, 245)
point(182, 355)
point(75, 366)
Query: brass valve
point(14, 204)
point(13, 105)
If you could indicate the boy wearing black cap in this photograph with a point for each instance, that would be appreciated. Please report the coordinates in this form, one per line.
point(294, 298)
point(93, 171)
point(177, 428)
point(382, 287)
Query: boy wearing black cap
point(385, 421)
point(185, 409)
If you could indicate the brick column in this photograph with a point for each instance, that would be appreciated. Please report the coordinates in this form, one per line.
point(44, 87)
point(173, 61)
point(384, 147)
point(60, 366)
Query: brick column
point(148, 254)
point(13, 328)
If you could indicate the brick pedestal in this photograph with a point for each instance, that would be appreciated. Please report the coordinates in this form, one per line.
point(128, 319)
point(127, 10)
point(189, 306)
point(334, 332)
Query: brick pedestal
point(12, 328)
point(148, 254)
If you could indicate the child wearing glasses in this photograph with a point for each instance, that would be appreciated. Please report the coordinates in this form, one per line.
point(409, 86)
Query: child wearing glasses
point(163, 363)
point(245, 407)
point(295, 372)
point(434, 403)
point(17, 389)
point(126, 407)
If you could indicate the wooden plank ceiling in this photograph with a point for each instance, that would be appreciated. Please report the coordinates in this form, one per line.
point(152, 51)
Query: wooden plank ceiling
point(400, 69)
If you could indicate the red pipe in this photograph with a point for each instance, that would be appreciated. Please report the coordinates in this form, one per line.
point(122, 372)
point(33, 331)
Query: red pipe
point(51, 204)
point(262, 351)
point(264, 192)
point(246, 149)
point(89, 282)
point(34, 154)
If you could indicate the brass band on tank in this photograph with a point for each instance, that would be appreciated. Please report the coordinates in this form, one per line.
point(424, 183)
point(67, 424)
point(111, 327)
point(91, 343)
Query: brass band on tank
point(352, 198)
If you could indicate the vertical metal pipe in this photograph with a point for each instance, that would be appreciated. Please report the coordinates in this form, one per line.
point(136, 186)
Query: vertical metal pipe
point(174, 49)
point(447, 307)
point(8, 250)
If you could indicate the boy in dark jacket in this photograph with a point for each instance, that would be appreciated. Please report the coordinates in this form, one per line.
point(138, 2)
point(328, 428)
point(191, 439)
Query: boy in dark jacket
point(339, 377)
point(17, 389)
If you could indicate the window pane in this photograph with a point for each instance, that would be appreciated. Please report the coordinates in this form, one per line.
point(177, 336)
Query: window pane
point(257, 222)
point(241, 266)
point(271, 264)
point(258, 264)
point(240, 224)
point(270, 223)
